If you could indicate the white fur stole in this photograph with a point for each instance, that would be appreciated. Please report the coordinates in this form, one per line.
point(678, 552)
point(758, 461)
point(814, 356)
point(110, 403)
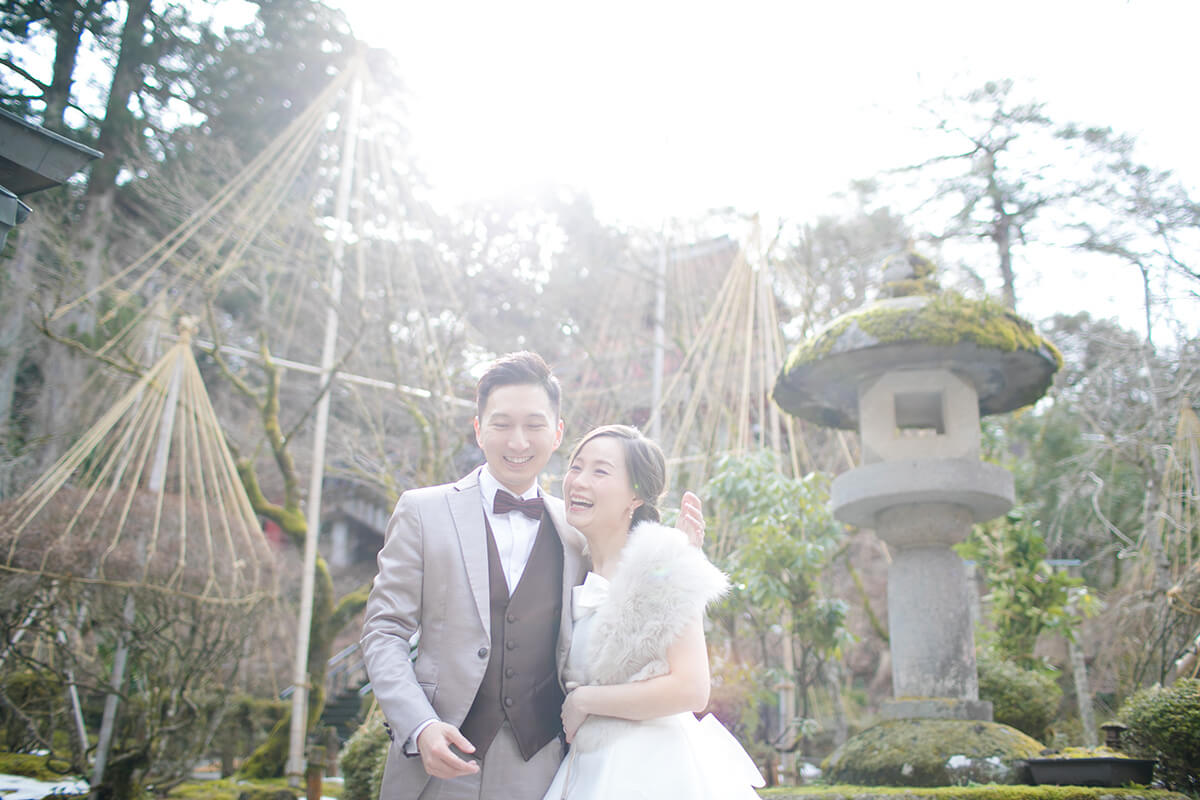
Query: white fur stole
point(660, 585)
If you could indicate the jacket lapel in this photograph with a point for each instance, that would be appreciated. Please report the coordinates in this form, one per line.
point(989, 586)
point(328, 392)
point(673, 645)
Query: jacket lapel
point(466, 510)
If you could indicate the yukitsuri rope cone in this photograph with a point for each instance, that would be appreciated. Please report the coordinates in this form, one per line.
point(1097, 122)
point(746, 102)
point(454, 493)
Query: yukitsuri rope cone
point(149, 497)
point(136, 559)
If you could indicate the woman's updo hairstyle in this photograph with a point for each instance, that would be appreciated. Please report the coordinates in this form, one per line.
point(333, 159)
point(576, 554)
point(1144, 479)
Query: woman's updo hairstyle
point(645, 463)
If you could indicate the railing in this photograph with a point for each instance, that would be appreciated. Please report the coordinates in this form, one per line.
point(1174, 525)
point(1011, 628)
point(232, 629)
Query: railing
point(342, 671)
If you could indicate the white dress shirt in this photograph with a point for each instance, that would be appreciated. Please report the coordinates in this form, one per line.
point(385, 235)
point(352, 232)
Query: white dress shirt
point(514, 532)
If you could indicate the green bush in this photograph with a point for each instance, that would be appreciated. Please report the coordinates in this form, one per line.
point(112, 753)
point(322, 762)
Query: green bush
point(1164, 723)
point(33, 696)
point(247, 722)
point(1023, 698)
point(363, 759)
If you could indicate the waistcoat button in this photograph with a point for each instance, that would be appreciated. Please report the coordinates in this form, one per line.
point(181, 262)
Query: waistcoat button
point(511, 645)
point(482, 652)
point(508, 701)
point(511, 619)
point(509, 672)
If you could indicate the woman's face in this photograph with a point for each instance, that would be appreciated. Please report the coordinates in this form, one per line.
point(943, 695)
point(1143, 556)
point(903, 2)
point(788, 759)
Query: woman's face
point(597, 490)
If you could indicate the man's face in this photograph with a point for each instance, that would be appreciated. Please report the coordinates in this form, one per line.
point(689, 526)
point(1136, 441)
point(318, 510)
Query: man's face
point(518, 433)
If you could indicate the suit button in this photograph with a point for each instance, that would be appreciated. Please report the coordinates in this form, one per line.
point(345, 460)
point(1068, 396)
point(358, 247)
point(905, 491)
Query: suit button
point(508, 701)
point(482, 652)
point(511, 619)
point(509, 672)
point(511, 645)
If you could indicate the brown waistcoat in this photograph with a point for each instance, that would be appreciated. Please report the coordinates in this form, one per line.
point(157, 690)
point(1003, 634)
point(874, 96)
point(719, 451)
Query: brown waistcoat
point(521, 681)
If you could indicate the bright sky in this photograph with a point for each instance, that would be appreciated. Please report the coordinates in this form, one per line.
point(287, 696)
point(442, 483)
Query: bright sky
point(662, 108)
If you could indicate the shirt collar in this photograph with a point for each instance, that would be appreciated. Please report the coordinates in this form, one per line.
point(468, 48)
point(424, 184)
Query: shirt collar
point(488, 486)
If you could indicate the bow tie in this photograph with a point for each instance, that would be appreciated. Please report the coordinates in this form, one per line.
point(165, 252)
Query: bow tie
point(505, 503)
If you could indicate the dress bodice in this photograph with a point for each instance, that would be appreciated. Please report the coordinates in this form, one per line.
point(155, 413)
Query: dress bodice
point(585, 600)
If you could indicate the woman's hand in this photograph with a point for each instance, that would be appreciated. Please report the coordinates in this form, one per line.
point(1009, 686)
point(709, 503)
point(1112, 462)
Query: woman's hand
point(691, 519)
point(573, 714)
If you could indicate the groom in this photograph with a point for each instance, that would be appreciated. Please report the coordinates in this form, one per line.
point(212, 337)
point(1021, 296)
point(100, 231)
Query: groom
point(481, 570)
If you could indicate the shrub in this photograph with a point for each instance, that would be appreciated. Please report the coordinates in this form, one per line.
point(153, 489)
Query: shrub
point(363, 759)
point(1164, 723)
point(1023, 698)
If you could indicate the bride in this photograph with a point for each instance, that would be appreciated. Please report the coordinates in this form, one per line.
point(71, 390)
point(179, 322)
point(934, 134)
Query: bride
point(638, 665)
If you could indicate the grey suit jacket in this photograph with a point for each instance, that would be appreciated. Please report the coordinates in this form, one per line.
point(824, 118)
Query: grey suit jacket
point(433, 580)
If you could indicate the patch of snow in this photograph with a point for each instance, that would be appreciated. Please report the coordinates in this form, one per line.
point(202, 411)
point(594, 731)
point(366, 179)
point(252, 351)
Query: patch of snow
point(18, 787)
point(958, 762)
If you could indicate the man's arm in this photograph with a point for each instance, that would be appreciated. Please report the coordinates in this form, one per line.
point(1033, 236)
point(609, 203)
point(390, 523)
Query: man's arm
point(393, 617)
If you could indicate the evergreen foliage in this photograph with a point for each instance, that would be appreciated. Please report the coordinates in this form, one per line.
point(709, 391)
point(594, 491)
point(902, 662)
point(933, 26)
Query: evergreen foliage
point(1026, 596)
point(1164, 723)
point(776, 538)
point(363, 760)
point(1026, 699)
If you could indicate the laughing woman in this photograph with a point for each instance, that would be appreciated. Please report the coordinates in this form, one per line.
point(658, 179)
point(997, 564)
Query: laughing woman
point(638, 666)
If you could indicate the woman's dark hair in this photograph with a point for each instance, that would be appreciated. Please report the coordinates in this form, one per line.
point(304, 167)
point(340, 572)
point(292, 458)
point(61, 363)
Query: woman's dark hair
point(644, 461)
point(522, 367)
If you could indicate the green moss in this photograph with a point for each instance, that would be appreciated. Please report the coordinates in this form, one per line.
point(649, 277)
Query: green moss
point(39, 768)
point(1087, 752)
point(233, 789)
point(911, 288)
point(982, 792)
point(947, 319)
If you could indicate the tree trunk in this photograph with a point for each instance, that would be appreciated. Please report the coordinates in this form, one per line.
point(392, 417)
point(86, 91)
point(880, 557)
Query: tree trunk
point(117, 136)
point(68, 23)
point(65, 371)
point(17, 283)
point(1002, 236)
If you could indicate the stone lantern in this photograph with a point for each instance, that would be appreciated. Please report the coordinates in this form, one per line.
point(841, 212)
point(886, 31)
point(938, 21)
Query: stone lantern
point(913, 373)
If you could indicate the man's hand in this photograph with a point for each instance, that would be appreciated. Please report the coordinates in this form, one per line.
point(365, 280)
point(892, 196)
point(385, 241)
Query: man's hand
point(439, 760)
point(691, 519)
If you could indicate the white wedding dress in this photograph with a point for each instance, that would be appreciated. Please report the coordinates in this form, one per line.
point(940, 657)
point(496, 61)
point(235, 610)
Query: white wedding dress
point(677, 756)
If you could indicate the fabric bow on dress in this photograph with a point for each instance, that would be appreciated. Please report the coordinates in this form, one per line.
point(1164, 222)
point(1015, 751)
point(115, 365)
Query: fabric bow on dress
point(588, 596)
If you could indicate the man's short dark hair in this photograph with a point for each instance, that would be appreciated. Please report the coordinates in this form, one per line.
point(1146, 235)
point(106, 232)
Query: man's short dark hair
point(514, 369)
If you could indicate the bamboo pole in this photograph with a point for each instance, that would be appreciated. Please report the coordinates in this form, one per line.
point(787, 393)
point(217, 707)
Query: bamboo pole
point(299, 722)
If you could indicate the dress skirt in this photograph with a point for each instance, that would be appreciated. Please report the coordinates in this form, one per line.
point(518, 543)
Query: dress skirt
point(677, 756)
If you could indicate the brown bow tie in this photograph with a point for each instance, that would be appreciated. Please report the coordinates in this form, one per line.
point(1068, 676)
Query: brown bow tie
point(505, 503)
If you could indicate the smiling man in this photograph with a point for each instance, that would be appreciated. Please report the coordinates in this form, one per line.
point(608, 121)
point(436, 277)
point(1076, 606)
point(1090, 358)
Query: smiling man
point(465, 633)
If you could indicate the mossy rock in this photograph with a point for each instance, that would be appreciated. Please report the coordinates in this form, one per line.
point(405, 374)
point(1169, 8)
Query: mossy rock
point(998, 352)
point(933, 752)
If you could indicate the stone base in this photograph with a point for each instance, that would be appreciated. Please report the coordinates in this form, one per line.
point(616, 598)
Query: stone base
point(937, 708)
